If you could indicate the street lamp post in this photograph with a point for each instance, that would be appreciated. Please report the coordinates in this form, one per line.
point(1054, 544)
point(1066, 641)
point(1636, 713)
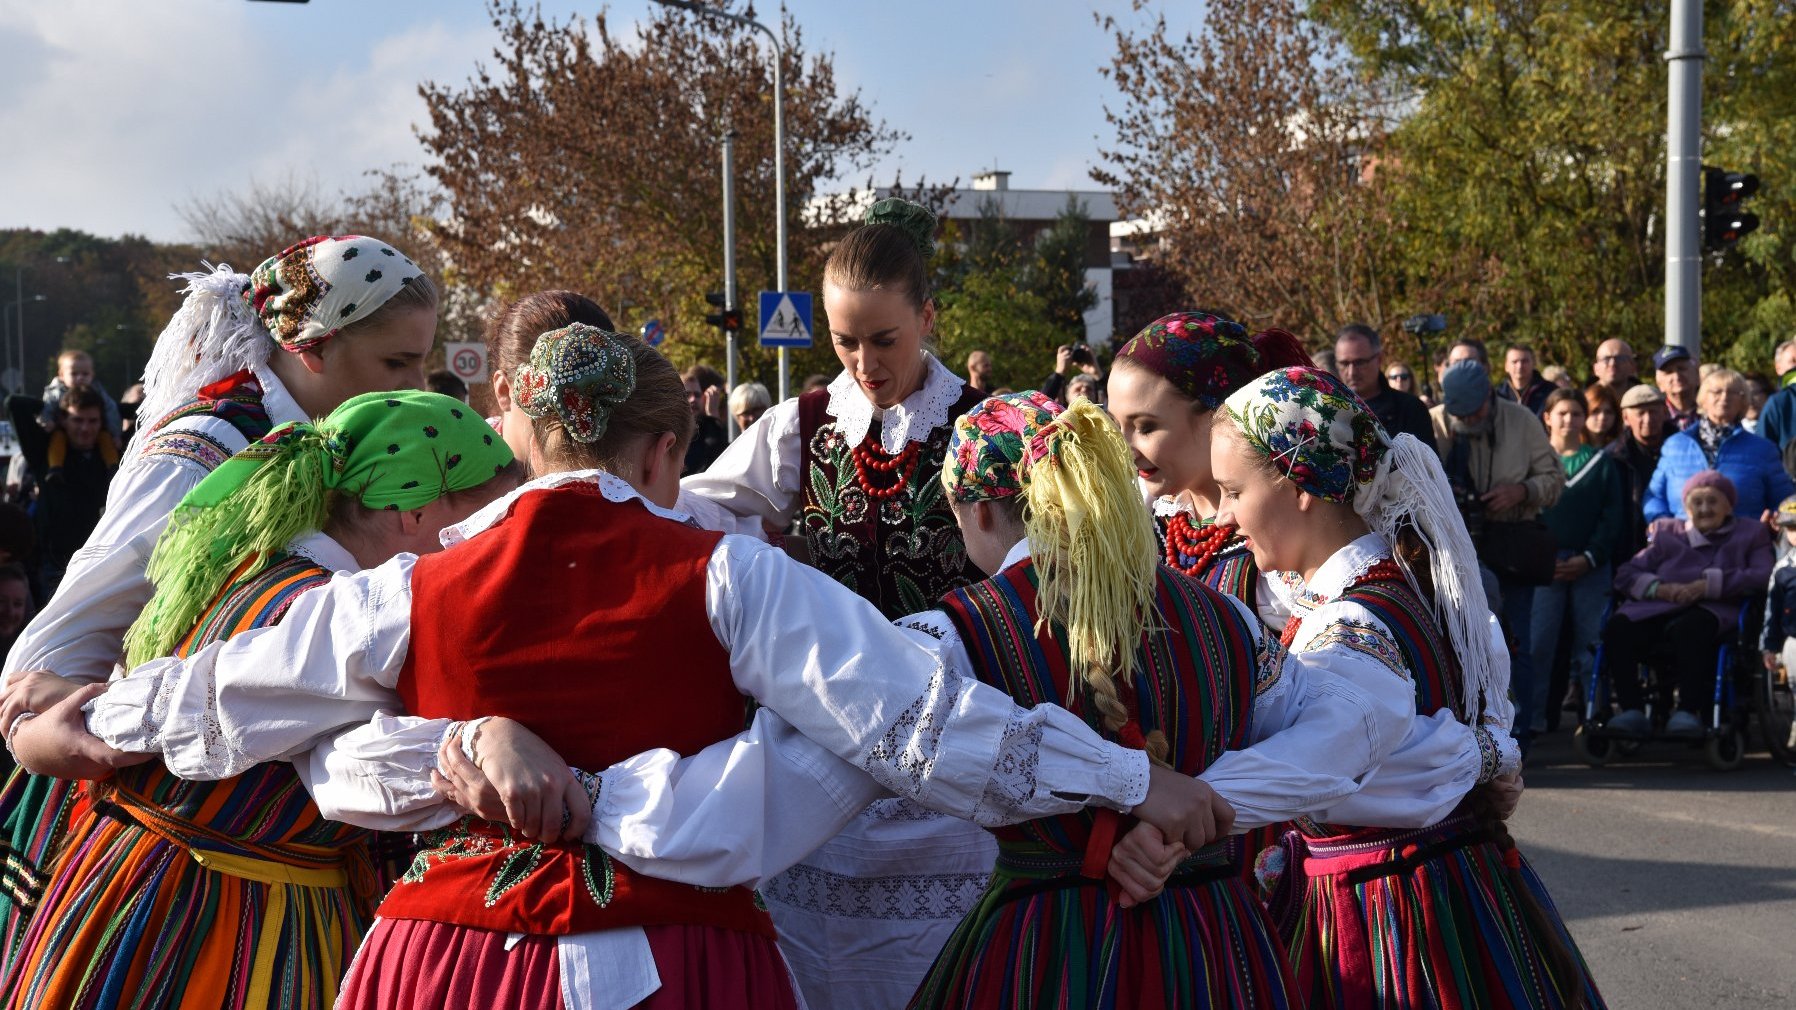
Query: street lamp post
point(779, 147)
point(17, 308)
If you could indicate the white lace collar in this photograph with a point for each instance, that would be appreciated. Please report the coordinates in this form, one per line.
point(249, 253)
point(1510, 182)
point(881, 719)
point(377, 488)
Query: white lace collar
point(1168, 505)
point(615, 489)
point(1345, 568)
point(321, 550)
point(910, 420)
point(279, 404)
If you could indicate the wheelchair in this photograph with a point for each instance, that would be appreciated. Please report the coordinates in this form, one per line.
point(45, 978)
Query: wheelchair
point(1746, 697)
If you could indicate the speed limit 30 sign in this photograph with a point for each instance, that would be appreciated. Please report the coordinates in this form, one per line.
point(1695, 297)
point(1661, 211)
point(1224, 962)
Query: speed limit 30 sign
point(466, 360)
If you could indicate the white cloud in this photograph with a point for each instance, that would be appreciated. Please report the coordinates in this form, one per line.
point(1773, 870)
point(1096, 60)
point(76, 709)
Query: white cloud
point(123, 108)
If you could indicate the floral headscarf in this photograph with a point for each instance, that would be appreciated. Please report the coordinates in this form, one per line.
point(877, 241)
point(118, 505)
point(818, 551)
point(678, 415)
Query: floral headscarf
point(989, 443)
point(581, 374)
point(313, 289)
point(1316, 430)
point(1327, 441)
point(1205, 356)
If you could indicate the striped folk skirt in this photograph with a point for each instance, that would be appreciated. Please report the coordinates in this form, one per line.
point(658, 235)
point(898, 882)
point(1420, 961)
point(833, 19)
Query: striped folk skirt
point(1439, 917)
point(216, 895)
point(35, 812)
point(1060, 941)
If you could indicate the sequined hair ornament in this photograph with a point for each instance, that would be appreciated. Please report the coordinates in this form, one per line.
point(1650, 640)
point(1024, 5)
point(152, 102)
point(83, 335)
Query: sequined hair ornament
point(913, 219)
point(580, 374)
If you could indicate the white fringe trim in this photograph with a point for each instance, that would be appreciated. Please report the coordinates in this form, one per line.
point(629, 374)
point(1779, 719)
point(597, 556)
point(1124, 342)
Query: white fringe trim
point(215, 333)
point(1411, 489)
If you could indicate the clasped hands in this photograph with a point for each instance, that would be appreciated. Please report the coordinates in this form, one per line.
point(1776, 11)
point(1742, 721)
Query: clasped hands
point(54, 740)
point(519, 780)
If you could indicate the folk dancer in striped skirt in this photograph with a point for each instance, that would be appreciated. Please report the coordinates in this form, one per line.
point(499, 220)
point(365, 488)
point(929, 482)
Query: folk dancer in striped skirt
point(1047, 503)
point(1445, 913)
point(350, 314)
point(239, 893)
point(1165, 388)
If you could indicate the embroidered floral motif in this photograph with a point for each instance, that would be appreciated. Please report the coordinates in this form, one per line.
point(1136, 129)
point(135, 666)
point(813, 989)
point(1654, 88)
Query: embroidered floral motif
point(208, 452)
point(1362, 637)
point(914, 546)
point(522, 858)
point(1271, 658)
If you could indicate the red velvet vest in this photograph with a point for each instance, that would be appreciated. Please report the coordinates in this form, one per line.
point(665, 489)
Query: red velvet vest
point(585, 620)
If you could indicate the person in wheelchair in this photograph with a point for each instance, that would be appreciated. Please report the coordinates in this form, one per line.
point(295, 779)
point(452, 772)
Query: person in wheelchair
point(1679, 595)
point(1779, 643)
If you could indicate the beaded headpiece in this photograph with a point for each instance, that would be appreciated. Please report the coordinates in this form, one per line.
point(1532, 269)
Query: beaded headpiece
point(581, 374)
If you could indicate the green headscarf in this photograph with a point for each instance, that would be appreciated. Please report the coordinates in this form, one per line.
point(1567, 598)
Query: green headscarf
point(390, 451)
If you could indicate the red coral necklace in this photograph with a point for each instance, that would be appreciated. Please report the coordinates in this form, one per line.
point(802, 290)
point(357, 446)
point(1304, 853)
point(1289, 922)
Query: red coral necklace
point(870, 458)
point(1189, 548)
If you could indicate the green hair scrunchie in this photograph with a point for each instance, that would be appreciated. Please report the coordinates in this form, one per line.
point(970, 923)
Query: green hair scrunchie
point(913, 219)
point(394, 451)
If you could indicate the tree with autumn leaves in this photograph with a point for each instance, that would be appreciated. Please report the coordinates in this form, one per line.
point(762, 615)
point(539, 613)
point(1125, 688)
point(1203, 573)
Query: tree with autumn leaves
point(1502, 163)
point(586, 160)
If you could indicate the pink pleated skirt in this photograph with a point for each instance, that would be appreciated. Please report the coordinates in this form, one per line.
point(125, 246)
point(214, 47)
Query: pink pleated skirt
point(407, 963)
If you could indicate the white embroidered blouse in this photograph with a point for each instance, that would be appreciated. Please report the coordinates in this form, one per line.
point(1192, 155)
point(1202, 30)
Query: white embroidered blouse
point(80, 633)
point(1441, 758)
point(758, 478)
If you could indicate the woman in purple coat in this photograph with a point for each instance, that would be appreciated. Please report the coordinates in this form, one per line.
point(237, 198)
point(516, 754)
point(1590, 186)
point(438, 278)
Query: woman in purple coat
point(1684, 588)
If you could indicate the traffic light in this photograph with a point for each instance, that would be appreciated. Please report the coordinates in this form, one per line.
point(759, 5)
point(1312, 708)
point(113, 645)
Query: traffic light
point(1723, 222)
point(727, 317)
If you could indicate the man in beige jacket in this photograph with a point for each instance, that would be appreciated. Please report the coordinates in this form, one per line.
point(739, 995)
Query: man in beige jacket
point(1497, 451)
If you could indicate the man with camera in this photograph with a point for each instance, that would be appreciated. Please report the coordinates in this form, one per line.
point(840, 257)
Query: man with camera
point(1504, 472)
point(1068, 357)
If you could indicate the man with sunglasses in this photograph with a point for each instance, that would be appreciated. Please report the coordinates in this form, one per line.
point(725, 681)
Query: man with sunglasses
point(1359, 361)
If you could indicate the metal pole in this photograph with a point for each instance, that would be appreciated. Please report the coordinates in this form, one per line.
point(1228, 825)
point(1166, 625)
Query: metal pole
point(779, 144)
point(18, 290)
point(779, 188)
point(1683, 169)
point(729, 269)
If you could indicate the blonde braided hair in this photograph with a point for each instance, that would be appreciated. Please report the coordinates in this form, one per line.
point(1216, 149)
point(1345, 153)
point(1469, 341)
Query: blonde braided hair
point(1095, 553)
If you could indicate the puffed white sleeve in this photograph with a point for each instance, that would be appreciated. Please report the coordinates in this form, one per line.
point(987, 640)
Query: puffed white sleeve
point(1318, 732)
point(271, 693)
point(755, 480)
point(1438, 760)
point(747, 808)
point(377, 775)
point(894, 708)
point(80, 632)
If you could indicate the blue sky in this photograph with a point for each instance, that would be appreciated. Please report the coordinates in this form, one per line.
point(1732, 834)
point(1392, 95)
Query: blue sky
point(115, 110)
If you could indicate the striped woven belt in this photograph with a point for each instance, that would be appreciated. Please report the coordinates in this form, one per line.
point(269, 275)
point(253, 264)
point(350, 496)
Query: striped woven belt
point(305, 866)
point(1364, 856)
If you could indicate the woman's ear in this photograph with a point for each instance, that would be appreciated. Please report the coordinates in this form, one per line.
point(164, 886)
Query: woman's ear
point(410, 521)
point(659, 457)
point(502, 390)
point(313, 358)
point(928, 316)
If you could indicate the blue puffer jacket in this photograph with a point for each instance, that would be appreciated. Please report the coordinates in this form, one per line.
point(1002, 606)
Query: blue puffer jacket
point(1751, 462)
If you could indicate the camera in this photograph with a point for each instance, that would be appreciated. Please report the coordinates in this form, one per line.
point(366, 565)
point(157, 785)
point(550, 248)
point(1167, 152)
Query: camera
point(1082, 354)
point(1471, 509)
point(1425, 324)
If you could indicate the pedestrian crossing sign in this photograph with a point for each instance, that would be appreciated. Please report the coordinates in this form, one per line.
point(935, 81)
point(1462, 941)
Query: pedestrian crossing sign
point(785, 319)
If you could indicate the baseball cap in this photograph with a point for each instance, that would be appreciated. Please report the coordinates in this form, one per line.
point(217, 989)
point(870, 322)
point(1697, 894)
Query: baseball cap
point(1642, 395)
point(1464, 388)
point(1668, 354)
point(1786, 512)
